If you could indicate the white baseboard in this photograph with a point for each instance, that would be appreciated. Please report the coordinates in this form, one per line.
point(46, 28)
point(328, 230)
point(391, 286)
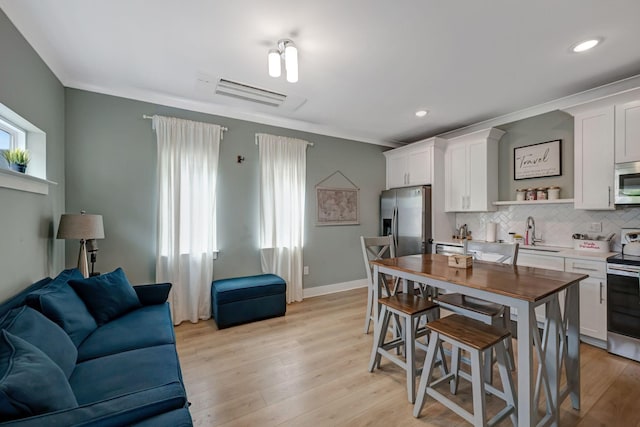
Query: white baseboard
point(331, 289)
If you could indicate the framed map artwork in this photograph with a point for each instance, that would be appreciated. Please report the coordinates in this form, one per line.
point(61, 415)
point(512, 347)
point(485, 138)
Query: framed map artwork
point(337, 206)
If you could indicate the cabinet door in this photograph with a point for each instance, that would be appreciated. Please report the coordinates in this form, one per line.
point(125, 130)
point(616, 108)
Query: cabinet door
point(594, 159)
point(396, 171)
point(628, 132)
point(455, 180)
point(419, 166)
point(477, 176)
point(593, 308)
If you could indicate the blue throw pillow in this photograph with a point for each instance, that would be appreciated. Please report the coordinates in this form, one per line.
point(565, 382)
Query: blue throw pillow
point(30, 383)
point(61, 304)
point(33, 327)
point(108, 296)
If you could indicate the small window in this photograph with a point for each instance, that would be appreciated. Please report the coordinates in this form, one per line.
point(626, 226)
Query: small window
point(5, 140)
point(10, 137)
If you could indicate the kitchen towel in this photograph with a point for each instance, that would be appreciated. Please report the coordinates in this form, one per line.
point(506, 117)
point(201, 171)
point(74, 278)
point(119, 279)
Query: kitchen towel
point(491, 232)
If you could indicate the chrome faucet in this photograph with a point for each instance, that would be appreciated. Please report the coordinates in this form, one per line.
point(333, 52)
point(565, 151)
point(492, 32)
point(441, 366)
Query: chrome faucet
point(463, 231)
point(531, 225)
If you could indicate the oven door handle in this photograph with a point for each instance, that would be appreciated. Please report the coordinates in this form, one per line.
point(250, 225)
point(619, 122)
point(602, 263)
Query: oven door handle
point(622, 271)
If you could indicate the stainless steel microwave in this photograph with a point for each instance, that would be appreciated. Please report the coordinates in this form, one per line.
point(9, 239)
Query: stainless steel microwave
point(627, 183)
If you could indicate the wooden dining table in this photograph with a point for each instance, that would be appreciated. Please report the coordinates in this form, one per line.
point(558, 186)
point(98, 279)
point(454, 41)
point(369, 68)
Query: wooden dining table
point(557, 348)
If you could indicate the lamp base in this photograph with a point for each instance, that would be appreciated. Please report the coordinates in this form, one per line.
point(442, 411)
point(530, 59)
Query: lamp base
point(83, 266)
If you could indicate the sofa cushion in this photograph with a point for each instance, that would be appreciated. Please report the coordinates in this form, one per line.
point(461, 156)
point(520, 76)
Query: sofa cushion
point(156, 293)
point(145, 327)
point(127, 372)
point(20, 298)
point(108, 296)
point(31, 383)
point(59, 302)
point(51, 339)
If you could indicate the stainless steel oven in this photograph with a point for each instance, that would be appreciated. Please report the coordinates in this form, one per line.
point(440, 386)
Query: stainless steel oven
point(623, 306)
point(627, 183)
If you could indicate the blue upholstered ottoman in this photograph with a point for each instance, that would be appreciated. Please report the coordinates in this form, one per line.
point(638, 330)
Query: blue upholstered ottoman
point(245, 299)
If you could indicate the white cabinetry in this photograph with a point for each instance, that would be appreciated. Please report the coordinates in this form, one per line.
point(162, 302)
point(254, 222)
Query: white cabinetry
point(409, 165)
point(594, 158)
point(593, 295)
point(471, 172)
point(628, 132)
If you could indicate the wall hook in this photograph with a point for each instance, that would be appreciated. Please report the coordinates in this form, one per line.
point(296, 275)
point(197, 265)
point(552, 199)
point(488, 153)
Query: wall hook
point(240, 159)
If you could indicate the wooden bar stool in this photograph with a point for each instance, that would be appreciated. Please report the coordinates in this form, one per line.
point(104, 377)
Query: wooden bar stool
point(408, 309)
point(475, 337)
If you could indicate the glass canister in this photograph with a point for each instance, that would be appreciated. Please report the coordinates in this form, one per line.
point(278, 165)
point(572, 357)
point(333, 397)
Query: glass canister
point(553, 192)
point(541, 193)
point(530, 194)
point(520, 193)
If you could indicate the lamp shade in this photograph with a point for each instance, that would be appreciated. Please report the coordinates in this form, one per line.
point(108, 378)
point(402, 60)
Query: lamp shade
point(80, 226)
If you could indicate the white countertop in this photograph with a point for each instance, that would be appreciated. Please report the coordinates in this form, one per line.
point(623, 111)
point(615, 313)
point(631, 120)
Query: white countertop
point(553, 251)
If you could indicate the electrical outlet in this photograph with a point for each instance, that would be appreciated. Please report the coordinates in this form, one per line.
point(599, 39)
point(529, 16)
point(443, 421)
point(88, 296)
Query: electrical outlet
point(305, 270)
point(595, 227)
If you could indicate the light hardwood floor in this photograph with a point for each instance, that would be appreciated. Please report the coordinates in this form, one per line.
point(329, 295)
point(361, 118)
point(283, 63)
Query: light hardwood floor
point(309, 368)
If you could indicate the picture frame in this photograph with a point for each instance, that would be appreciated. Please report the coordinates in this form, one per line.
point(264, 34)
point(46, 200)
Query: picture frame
point(538, 160)
point(337, 206)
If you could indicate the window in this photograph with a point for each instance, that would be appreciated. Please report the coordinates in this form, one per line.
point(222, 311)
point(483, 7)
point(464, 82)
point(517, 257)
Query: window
point(17, 132)
point(10, 137)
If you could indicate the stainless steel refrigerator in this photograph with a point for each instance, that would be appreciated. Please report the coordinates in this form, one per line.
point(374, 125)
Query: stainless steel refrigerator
point(406, 214)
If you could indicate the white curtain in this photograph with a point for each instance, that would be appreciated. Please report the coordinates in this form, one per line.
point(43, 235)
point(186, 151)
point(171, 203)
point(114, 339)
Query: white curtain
point(282, 190)
point(187, 168)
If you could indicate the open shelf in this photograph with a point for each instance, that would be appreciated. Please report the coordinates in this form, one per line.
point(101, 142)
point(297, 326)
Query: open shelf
point(533, 202)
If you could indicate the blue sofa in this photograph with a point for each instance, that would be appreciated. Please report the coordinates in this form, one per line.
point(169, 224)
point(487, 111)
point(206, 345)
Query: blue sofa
point(94, 352)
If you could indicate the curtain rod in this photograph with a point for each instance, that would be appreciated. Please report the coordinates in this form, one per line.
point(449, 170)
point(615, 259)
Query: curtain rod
point(144, 116)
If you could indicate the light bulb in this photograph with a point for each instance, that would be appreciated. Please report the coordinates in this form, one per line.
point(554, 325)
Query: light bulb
point(291, 62)
point(274, 63)
point(586, 45)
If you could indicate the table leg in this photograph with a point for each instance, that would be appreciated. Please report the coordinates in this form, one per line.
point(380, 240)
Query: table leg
point(526, 404)
point(552, 357)
point(376, 295)
point(573, 344)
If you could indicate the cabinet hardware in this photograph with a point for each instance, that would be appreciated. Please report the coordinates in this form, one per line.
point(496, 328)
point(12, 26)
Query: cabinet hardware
point(601, 299)
point(609, 195)
point(584, 268)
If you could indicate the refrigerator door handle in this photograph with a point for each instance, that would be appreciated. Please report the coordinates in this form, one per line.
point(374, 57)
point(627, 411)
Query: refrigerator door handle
point(395, 227)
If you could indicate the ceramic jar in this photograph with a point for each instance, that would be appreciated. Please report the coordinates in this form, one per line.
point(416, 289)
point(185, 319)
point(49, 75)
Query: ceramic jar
point(553, 192)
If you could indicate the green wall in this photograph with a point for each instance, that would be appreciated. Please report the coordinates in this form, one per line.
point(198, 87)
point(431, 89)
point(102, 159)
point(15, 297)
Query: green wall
point(111, 169)
point(28, 251)
point(541, 128)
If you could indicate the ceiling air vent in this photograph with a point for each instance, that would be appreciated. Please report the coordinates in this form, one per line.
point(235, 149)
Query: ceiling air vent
point(249, 93)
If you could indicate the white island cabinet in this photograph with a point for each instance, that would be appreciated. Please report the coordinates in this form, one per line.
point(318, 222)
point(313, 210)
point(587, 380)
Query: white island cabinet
point(471, 171)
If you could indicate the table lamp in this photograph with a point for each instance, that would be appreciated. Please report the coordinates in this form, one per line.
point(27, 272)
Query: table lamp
point(83, 227)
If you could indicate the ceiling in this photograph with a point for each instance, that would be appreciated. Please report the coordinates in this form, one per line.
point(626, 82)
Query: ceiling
point(366, 66)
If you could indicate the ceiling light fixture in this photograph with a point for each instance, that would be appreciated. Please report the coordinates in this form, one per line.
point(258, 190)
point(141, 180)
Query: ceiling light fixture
point(585, 45)
point(421, 113)
point(288, 52)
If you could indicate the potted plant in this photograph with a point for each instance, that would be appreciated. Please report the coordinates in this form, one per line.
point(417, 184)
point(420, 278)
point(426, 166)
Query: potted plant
point(17, 159)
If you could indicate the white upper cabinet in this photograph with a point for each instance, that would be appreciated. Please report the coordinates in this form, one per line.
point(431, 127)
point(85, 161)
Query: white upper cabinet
point(628, 132)
point(594, 158)
point(471, 171)
point(410, 165)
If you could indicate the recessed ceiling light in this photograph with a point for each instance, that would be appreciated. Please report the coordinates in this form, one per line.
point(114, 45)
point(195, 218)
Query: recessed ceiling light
point(421, 113)
point(585, 45)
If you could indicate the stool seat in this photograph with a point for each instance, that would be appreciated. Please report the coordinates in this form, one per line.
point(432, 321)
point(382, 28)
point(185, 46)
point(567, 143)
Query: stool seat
point(245, 299)
point(472, 333)
point(407, 303)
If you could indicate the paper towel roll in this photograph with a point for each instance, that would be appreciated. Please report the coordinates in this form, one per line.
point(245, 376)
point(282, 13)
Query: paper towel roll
point(491, 232)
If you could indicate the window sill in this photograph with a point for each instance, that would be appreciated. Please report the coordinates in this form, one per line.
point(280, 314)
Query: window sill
point(23, 182)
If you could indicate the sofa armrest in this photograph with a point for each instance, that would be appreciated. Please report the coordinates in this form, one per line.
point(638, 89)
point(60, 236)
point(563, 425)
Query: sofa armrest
point(156, 293)
point(118, 411)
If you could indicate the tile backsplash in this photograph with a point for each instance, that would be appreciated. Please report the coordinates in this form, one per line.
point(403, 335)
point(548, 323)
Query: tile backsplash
point(554, 223)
